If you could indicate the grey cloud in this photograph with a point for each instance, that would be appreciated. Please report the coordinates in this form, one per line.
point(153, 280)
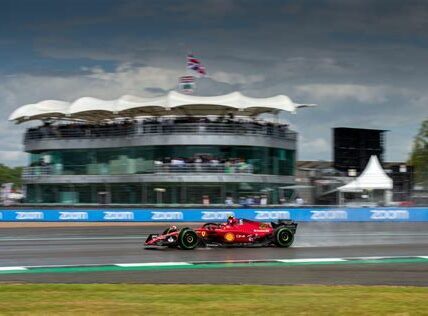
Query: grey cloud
point(363, 61)
point(156, 90)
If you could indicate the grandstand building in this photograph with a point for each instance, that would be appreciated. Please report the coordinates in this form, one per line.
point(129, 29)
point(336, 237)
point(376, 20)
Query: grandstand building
point(176, 149)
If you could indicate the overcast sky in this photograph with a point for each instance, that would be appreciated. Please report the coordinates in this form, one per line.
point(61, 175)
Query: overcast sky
point(364, 62)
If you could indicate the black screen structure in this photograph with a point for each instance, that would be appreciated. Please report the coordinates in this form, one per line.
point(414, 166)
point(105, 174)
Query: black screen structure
point(354, 146)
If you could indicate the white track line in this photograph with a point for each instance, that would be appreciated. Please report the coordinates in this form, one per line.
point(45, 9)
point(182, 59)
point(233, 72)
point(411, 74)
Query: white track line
point(153, 264)
point(312, 260)
point(379, 257)
point(12, 268)
point(181, 263)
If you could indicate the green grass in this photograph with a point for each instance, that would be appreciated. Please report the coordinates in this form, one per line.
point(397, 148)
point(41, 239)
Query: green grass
point(97, 299)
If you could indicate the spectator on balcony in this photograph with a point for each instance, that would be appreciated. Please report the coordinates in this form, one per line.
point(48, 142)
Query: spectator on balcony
point(214, 162)
point(46, 129)
point(299, 201)
point(177, 164)
point(228, 167)
point(242, 166)
point(156, 125)
point(229, 201)
point(182, 163)
point(263, 200)
point(158, 165)
point(198, 162)
point(42, 162)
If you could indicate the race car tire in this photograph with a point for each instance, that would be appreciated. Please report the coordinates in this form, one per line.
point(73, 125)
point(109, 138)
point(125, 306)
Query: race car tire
point(188, 239)
point(283, 237)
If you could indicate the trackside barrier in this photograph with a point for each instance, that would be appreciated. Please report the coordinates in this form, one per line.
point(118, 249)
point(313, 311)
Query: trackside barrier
point(212, 215)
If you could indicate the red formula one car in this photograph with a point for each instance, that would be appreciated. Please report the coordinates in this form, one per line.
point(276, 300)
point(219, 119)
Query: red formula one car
point(235, 232)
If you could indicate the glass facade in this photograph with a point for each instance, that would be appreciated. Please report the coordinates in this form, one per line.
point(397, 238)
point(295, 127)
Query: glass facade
point(140, 160)
point(142, 193)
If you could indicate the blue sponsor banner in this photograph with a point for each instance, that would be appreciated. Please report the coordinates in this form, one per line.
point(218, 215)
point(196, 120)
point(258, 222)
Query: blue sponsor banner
point(212, 215)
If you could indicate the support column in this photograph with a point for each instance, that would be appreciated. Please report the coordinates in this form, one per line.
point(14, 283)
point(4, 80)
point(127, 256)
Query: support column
point(144, 193)
point(56, 193)
point(108, 193)
point(94, 198)
point(223, 193)
point(183, 193)
point(38, 193)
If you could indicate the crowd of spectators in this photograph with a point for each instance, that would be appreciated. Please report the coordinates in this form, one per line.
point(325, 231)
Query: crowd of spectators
point(202, 163)
point(40, 163)
point(164, 125)
point(199, 163)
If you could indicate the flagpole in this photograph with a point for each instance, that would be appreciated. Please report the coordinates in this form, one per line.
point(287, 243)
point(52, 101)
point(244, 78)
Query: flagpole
point(193, 64)
point(189, 73)
point(187, 68)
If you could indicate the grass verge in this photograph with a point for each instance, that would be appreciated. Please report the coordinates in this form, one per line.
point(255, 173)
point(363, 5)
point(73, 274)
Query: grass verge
point(131, 299)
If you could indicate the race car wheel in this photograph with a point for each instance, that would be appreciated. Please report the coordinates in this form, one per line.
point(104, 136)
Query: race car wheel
point(283, 237)
point(187, 239)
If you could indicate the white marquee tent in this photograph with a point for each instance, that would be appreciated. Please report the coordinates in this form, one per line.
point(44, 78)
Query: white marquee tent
point(372, 178)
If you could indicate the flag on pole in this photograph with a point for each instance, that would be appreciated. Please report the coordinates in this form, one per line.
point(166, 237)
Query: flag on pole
point(187, 79)
point(195, 64)
point(186, 84)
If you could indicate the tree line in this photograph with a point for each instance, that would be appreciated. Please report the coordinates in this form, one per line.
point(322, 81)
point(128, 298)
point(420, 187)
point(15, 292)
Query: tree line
point(419, 156)
point(10, 175)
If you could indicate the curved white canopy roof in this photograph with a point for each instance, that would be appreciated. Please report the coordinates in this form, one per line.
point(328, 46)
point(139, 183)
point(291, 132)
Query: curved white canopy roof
point(173, 103)
point(372, 178)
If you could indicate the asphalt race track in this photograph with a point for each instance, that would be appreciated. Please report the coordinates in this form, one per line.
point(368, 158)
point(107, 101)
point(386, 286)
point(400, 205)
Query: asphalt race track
point(102, 246)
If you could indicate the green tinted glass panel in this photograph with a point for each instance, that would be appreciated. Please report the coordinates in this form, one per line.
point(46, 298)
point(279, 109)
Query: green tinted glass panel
point(148, 193)
point(140, 160)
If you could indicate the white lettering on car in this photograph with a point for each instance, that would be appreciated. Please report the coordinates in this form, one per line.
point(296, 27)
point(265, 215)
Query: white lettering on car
point(261, 230)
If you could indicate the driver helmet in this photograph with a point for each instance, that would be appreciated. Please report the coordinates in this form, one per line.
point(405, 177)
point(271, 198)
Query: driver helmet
point(230, 219)
point(173, 228)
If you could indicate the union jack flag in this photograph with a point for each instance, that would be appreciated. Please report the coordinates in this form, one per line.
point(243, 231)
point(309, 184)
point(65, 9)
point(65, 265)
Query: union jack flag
point(187, 79)
point(186, 84)
point(196, 65)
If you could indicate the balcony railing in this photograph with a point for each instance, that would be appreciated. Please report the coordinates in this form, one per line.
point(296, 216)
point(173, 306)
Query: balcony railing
point(35, 172)
point(152, 168)
point(204, 168)
point(139, 129)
